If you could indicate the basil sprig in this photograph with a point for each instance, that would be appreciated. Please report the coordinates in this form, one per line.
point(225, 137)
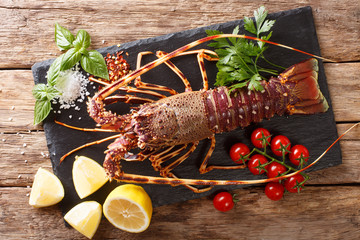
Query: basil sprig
point(76, 50)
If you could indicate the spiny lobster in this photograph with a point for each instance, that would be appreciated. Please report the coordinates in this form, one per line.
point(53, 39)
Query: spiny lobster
point(162, 129)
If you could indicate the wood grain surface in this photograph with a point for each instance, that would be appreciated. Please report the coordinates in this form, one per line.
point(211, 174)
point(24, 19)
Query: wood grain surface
point(327, 209)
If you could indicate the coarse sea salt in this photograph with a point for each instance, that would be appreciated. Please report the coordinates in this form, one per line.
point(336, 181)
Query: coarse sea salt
point(72, 83)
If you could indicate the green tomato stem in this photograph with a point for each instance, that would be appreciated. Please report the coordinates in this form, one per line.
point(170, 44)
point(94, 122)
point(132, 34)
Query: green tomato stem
point(272, 159)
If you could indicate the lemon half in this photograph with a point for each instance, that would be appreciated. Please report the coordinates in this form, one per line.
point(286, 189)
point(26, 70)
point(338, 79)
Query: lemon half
point(46, 190)
point(88, 176)
point(129, 208)
point(85, 217)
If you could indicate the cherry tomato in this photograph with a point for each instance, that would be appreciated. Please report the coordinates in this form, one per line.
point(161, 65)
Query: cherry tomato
point(279, 142)
point(274, 191)
point(223, 201)
point(254, 163)
point(258, 137)
point(275, 169)
point(292, 184)
point(298, 152)
point(237, 151)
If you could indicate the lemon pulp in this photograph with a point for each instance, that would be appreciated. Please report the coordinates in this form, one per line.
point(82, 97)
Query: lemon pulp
point(88, 176)
point(46, 190)
point(128, 207)
point(85, 217)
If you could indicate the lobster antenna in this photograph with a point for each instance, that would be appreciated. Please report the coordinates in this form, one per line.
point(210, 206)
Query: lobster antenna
point(131, 76)
point(87, 145)
point(85, 129)
point(269, 42)
point(175, 181)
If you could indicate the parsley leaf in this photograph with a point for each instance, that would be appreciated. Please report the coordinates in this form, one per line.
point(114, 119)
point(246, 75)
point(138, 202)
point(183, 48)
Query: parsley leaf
point(262, 24)
point(238, 58)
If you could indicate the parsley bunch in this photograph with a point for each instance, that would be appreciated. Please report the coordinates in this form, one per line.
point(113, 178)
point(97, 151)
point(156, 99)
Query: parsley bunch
point(76, 50)
point(238, 58)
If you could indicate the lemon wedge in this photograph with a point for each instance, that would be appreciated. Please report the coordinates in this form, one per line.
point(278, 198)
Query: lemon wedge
point(88, 176)
point(85, 217)
point(46, 190)
point(129, 208)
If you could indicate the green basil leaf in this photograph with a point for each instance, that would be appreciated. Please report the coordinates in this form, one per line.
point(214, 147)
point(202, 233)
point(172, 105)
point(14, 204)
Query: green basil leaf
point(71, 57)
point(44, 92)
point(94, 64)
point(63, 37)
point(52, 92)
point(83, 51)
point(39, 91)
point(82, 39)
point(54, 71)
point(41, 111)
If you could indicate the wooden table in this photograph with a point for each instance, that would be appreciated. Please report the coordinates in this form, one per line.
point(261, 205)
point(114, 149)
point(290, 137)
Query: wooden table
point(327, 209)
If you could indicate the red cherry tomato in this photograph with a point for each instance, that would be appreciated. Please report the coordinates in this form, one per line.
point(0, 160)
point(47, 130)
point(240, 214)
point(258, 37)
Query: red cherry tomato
point(292, 184)
point(259, 137)
point(223, 201)
point(237, 151)
point(298, 152)
point(253, 164)
point(280, 142)
point(275, 169)
point(274, 191)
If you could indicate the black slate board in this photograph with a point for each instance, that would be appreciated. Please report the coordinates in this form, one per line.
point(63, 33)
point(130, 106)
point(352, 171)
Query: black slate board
point(294, 28)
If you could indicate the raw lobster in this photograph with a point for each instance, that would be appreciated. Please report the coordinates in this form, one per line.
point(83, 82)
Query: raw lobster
point(162, 129)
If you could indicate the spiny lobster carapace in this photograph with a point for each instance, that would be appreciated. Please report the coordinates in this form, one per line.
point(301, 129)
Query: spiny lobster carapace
point(162, 129)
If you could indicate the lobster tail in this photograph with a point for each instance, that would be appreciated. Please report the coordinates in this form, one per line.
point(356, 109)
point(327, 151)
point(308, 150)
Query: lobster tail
point(301, 81)
point(295, 91)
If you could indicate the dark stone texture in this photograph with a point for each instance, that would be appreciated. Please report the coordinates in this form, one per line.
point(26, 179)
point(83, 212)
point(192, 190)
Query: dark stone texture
point(294, 28)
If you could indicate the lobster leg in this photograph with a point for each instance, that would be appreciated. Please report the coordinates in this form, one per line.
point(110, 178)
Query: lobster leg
point(165, 171)
point(201, 55)
point(200, 59)
point(153, 158)
point(133, 178)
point(204, 168)
point(130, 89)
point(181, 75)
point(140, 156)
point(158, 160)
point(98, 80)
point(143, 85)
point(117, 151)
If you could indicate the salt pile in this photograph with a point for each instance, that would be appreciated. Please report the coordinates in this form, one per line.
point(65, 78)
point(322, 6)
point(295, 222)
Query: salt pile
point(72, 84)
